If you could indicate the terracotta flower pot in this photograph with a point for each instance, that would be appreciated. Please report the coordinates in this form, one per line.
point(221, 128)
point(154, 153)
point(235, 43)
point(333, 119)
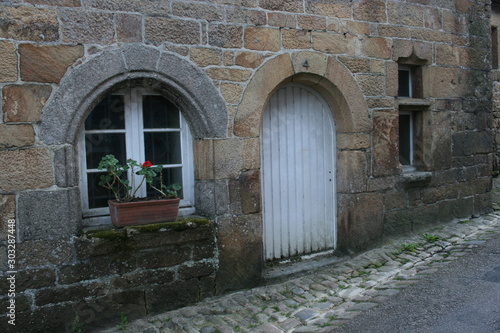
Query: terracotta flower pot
point(125, 214)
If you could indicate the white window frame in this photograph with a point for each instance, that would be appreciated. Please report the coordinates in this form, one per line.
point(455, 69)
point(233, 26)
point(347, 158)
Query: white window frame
point(411, 166)
point(134, 143)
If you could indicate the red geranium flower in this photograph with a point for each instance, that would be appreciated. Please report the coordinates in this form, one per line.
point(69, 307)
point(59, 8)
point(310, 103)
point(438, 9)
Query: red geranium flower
point(147, 164)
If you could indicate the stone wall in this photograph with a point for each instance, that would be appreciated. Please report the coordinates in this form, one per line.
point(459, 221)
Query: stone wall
point(88, 281)
point(220, 61)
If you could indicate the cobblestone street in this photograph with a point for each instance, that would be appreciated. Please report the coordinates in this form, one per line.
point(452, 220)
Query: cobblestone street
point(323, 299)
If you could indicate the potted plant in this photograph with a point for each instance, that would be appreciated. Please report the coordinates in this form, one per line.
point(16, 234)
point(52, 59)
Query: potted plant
point(126, 209)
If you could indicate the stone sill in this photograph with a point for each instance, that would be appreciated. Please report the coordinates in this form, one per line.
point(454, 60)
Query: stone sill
point(185, 223)
point(414, 103)
point(416, 178)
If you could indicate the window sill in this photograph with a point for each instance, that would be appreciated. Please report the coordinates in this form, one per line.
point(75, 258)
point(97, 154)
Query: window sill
point(414, 104)
point(415, 178)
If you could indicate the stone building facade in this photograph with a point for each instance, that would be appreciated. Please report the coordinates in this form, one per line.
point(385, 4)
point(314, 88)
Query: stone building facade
point(380, 67)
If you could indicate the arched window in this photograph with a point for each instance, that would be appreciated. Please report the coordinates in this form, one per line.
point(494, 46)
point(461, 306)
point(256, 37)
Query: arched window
point(139, 124)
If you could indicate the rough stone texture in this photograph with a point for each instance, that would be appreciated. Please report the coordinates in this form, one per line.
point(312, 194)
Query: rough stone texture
point(204, 57)
point(47, 63)
point(296, 39)
point(7, 212)
point(29, 24)
point(159, 29)
point(385, 144)
point(222, 35)
point(329, 42)
point(234, 156)
point(8, 65)
point(262, 39)
point(239, 237)
point(129, 28)
point(48, 215)
point(249, 59)
point(352, 168)
point(16, 135)
point(24, 103)
point(25, 169)
point(87, 27)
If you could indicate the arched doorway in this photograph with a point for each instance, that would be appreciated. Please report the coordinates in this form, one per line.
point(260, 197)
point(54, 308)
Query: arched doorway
point(298, 151)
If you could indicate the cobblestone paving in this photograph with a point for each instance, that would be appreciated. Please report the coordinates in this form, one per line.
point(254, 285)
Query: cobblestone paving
point(324, 299)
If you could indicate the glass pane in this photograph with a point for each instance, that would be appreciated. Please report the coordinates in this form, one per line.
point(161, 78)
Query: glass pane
point(101, 144)
point(404, 83)
point(170, 176)
point(163, 147)
point(98, 195)
point(109, 114)
point(158, 112)
point(405, 139)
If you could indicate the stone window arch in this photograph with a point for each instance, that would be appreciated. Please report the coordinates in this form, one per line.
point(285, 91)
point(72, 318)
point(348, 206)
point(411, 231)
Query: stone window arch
point(133, 65)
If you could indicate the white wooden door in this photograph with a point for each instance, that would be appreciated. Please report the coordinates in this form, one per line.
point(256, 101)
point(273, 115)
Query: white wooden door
point(298, 151)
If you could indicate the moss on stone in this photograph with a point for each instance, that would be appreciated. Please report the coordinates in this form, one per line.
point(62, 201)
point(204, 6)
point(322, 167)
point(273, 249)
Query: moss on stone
point(179, 225)
point(110, 234)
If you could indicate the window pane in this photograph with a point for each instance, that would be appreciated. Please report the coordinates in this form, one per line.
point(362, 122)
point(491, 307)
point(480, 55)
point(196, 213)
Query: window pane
point(98, 195)
point(405, 139)
point(170, 176)
point(158, 112)
point(404, 83)
point(101, 144)
point(163, 147)
point(109, 114)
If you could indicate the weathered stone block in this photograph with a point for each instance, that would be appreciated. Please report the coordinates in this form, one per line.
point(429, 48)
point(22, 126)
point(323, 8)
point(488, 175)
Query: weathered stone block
point(249, 59)
point(369, 10)
point(393, 31)
point(352, 171)
point(205, 198)
point(42, 253)
point(360, 221)
point(356, 65)
point(433, 18)
point(48, 215)
point(137, 6)
point(246, 16)
point(8, 65)
point(87, 27)
point(47, 63)
point(7, 212)
point(198, 10)
point(377, 47)
point(240, 252)
point(329, 42)
point(282, 20)
point(222, 35)
point(262, 39)
point(222, 201)
point(139, 278)
point(229, 74)
point(233, 156)
point(172, 296)
point(24, 103)
point(196, 271)
point(203, 159)
point(98, 267)
point(35, 279)
point(59, 3)
point(296, 39)
point(231, 92)
point(250, 192)
point(316, 63)
point(128, 28)
point(16, 135)
point(160, 29)
point(311, 22)
point(353, 141)
point(156, 258)
point(335, 8)
point(69, 293)
point(205, 57)
point(52, 318)
point(405, 14)
point(385, 144)
point(372, 85)
point(431, 35)
point(29, 23)
point(25, 169)
point(294, 6)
